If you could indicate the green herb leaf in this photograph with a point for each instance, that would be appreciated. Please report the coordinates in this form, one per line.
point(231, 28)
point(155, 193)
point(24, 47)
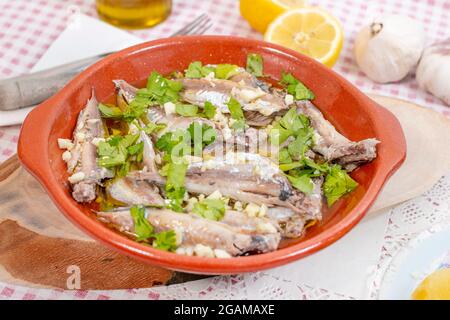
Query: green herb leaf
point(226, 71)
point(238, 125)
point(197, 70)
point(284, 157)
point(255, 64)
point(171, 139)
point(110, 111)
point(302, 183)
point(212, 209)
point(152, 127)
point(176, 174)
point(337, 184)
point(209, 110)
point(186, 110)
point(115, 152)
point(165, 240)
point(159, 90)
point(142, 227)
point(235, 109)
point(296, 88)
point(201, 132)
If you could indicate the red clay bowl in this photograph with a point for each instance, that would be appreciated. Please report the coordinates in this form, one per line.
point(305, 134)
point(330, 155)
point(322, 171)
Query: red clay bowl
point(352, 112)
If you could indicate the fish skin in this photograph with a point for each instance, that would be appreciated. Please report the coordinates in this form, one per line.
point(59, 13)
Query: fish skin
point(236, 180)
point(196, 230)
point(148, 152)
point(219, 92)
point(134, 192)
point(291, 223)
point(84, 153)
point(126, 90)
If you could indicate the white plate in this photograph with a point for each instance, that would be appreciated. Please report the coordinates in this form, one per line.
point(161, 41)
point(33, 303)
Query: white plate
point(420, 257)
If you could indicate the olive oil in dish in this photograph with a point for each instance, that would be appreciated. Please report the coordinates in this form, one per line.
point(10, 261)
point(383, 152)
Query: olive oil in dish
point(134, 14)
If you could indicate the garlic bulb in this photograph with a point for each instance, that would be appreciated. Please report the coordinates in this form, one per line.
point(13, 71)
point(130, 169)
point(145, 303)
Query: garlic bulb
point(389, 48)
point(433, 73)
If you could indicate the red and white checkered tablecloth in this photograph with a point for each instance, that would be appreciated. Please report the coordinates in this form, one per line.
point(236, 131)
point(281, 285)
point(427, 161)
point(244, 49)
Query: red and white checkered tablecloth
point(27, 29)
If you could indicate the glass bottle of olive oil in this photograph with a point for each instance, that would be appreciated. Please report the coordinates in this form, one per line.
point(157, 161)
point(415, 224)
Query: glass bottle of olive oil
point(134, 14)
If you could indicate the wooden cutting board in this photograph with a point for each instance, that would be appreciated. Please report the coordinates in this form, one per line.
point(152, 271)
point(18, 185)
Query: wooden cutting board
point(38, 245)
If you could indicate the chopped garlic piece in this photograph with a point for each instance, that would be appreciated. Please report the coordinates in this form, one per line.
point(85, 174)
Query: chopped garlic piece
point(93, 121)
point(96, 141)
point(77, 177)
point(189, 251)
point(203, 251)
point(169, 108)
point(266, 228)
point(158, 159)
point(80, 136)
point(178, 235)
point(65, 144)
point(238, 206)
point(289, 99)
point(66, 156)
point(248, 95)
point(180, 251)
point(219, 253)
point(263, 210)
point(192, 159)
point(190, 203)
point(210, 76)
point(251, 210)
point(133, 129)
point(215, 195)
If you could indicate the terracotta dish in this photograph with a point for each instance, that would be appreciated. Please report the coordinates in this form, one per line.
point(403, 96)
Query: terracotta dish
point(348, 109)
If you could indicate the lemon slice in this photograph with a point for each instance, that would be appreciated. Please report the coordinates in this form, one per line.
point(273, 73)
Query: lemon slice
point(260, 13)
point(311, 31)
point(434, 287)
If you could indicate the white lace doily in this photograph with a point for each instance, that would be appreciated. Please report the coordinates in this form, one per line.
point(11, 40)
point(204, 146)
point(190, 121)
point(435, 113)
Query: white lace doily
point(407, 221)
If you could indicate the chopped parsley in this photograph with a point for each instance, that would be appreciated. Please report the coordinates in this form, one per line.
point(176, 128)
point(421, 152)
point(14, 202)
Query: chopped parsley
point(236, 113)
point(110, 111)
point(296, 88)
point(175, 145)
point(176, 173)
point(159, 90)
point(255, 64)
point(209, 110)
point(117, 152)
point(212, 209)
point(337, 183)
point(186, 110)
point(226, 71)
point(142, 227)
point(153, 127)
point(165, 240)
point(197, 70)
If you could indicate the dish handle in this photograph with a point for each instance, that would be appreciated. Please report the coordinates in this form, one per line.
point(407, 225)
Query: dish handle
point(33, 139)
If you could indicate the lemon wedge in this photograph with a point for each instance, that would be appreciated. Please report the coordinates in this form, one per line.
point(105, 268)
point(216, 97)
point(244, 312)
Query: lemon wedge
point(260, 13)
point(309, 30)
point(434, 287)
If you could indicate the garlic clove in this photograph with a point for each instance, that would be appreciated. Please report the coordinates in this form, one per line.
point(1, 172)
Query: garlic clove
point(434, 69)
point(388, 49)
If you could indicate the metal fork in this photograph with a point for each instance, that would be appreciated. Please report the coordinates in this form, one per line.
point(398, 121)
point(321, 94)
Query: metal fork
point(33, 88)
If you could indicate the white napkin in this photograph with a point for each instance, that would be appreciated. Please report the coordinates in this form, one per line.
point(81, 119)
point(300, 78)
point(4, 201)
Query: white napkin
point(84, 37)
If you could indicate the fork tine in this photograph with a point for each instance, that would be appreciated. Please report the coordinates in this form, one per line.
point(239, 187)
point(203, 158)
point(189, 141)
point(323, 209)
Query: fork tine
point(186, 29)
point(202, 31)
point(195, 24)
point(202, 27)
